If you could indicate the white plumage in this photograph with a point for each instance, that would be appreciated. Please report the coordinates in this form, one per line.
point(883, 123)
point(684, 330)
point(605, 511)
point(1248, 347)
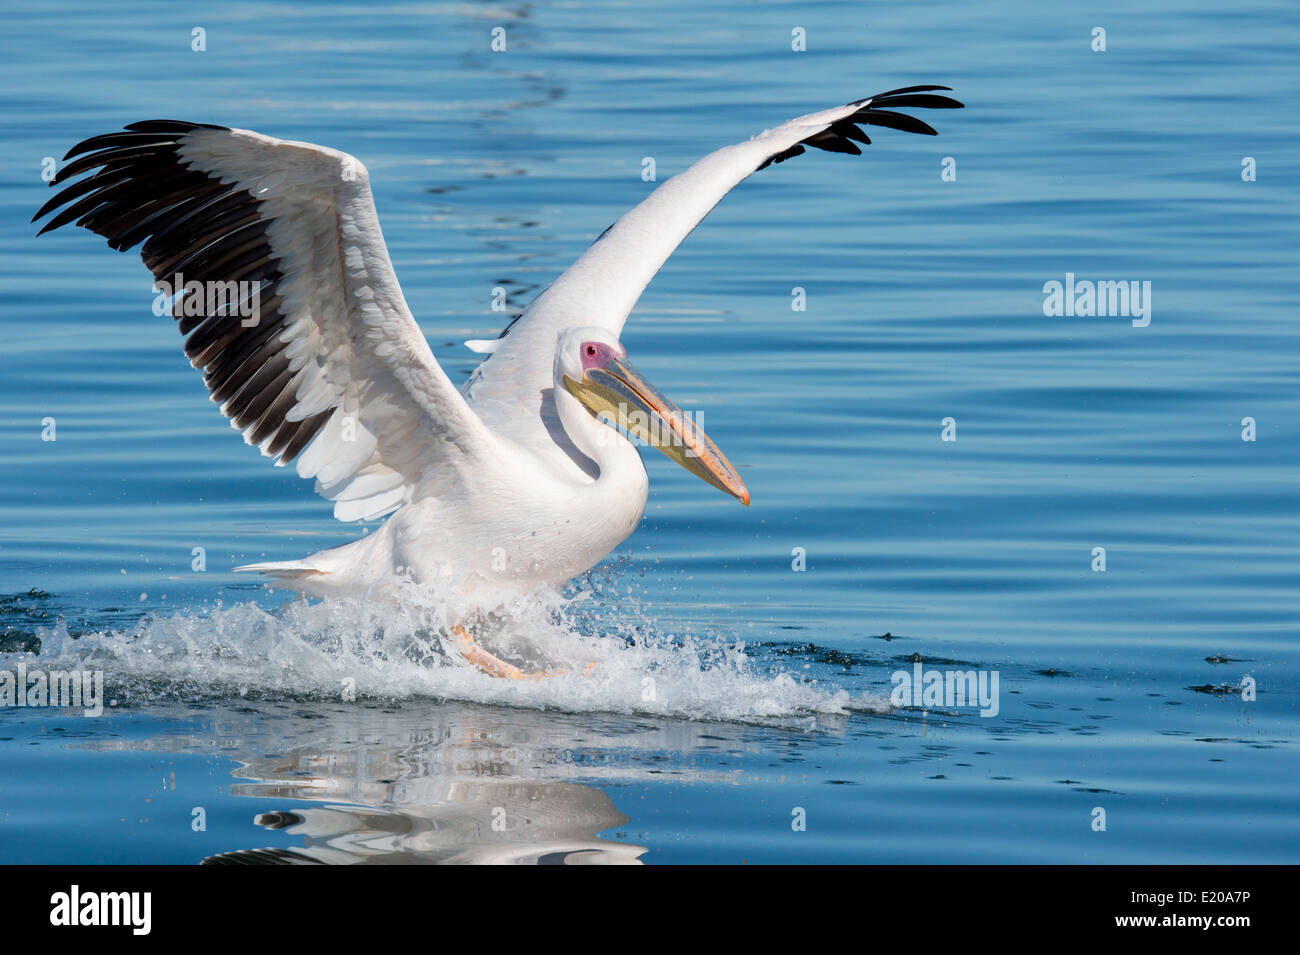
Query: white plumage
point(510, 483)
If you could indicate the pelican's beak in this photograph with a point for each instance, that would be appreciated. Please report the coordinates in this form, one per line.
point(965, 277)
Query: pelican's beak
point(622, 394)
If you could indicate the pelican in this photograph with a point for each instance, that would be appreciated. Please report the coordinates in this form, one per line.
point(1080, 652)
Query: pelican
point(272, 262)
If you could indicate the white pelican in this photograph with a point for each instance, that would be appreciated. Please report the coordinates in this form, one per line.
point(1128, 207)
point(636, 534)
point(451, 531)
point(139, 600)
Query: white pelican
point(306, 343)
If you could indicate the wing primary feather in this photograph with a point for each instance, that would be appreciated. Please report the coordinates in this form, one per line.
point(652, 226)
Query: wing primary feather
point(186, 201)
point(833, 142)
point(107, 140)
point(284, 233)
point(105, 177)
point(120, 154)
point(904, 89)
point(850, 131)
point(195, 222)
point(900, 121)
point(921, 101)
point(840, 135)
point(171, 126)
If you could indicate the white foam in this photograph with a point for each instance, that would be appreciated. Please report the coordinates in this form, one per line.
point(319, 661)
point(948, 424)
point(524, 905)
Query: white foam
point(391, 649)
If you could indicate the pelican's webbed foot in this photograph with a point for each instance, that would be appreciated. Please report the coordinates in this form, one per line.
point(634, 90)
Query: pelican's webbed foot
point(492, 665)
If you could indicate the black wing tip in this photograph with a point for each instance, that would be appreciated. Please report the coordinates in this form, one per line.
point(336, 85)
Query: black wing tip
point(151, 135)
point(170, 126)
point(138, 132)
point(841, 135)
point(138, 187)
point(145, 131)
point(891, 120)
point(915, 92)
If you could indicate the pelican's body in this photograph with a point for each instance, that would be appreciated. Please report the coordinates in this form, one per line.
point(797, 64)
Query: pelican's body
point(539, 521)
point(506, 484)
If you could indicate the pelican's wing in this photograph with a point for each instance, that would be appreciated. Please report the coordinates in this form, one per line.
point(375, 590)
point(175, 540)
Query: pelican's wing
point(315, 342)
point(602, 286)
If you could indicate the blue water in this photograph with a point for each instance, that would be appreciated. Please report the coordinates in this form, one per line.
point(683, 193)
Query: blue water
point(771, 694)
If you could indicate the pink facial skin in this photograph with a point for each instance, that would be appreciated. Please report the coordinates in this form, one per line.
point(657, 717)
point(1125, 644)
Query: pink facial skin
point(597, 355)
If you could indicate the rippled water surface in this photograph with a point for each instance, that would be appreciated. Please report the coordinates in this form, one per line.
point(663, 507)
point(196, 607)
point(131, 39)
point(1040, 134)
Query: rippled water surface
point(734, 697)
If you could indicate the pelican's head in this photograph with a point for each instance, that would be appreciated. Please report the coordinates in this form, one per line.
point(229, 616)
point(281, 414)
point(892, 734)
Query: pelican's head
point(592, 366)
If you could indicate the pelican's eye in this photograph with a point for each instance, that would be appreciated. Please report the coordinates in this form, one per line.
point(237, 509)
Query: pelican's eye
point(595, 355)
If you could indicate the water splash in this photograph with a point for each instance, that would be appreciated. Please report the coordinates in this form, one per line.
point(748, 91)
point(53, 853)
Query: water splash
point(391, 647)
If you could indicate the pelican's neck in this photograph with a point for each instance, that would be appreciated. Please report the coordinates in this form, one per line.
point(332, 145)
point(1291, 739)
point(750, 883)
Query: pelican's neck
point(612, 452)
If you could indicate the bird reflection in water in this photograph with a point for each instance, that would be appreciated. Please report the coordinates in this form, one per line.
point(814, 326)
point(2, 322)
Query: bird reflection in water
point(438, 782)
point(471, 823)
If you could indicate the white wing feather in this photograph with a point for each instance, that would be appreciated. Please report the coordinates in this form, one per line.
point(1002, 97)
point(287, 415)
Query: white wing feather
point(345, 365)
point(604, 284)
